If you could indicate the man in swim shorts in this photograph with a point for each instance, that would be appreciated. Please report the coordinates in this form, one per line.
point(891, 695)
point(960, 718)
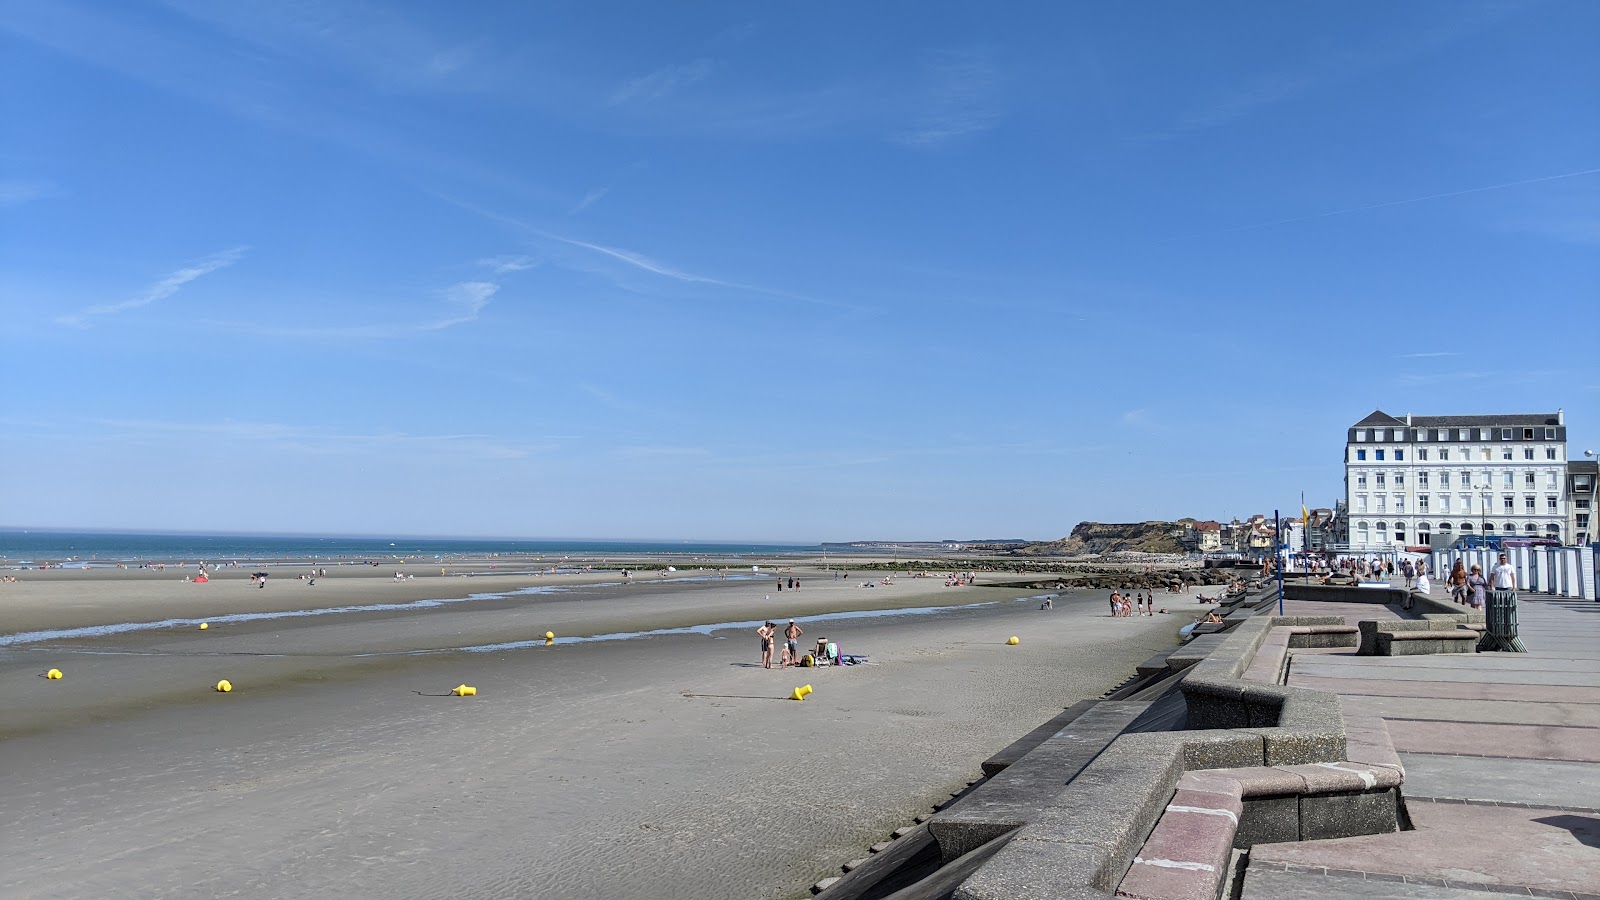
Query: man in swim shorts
point(792, 636)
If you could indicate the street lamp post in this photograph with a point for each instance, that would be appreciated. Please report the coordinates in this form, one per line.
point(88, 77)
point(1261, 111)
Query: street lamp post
point(1483, 519)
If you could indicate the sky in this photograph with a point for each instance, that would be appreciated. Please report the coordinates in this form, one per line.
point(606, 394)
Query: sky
point(761, 271)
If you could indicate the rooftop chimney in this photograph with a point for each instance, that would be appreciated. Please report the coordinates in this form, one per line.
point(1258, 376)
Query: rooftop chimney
point(1561, 416)
point(1408, 420)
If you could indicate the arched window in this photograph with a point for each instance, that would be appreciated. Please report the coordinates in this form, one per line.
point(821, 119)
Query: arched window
point(1400, 531)
point(1466, 527)
point(1444, 528)
point(1383, 532)
point(1424, 532)
point(1362, 532)
point(1553, 531)
point(1510, 529)
point(1488, 527)
point(1531, 528)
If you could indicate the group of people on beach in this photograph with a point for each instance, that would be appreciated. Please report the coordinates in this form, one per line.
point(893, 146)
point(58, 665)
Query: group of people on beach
point(789, 652)
point(1131, 604)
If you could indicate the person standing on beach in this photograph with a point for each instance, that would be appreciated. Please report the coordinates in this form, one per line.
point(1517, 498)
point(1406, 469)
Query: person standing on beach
point(767, 632)
point(791, 636)
point(1116, 602)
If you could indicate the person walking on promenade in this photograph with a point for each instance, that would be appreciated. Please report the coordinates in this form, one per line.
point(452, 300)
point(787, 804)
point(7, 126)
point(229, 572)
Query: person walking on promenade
point(1503, 577)
point(767, 632)
point(1476, 585)
point(791, 636)
point(1458, 582)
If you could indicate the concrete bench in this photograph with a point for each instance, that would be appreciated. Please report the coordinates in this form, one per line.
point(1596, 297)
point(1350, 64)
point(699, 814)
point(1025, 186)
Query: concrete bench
point(1214, 811)
point(1302, 637)
point(1420, 643)
point(1370, 629)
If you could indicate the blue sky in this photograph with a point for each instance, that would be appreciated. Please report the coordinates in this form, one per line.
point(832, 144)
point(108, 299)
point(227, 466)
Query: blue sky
point(773, 271)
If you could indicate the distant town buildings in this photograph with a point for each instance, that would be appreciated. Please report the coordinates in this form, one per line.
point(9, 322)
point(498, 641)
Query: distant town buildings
point(1417, 479)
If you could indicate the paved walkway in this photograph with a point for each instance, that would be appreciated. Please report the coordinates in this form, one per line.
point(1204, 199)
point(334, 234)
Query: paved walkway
point(1502, 759)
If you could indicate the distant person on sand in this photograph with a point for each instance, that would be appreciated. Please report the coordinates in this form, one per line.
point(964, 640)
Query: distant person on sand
point(1116, 602)
point(791, 636)
point(767, 632)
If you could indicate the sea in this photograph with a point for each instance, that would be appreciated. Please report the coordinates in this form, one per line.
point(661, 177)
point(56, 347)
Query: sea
point(29, 546)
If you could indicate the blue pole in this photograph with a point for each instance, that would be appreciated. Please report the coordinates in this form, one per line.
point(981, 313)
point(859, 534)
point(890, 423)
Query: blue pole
point(1277, 541)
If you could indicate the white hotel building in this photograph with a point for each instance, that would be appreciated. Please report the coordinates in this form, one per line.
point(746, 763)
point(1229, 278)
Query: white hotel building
point(1409, 480)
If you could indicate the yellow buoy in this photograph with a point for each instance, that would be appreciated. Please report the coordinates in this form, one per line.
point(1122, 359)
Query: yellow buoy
point(1013, 641)
point(204, 625)
point(798, 694)
point(224, 686)
point(806, 688)
point(549, 635)
point(53, 674)
point(465, 690)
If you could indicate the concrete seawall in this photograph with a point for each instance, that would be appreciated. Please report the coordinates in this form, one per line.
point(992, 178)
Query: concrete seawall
point(1164, 789)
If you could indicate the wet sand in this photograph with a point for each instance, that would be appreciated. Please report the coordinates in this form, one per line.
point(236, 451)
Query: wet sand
point(662, 766)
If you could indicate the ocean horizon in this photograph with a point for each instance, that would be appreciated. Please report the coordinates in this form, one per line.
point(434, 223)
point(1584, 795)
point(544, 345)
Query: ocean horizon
point(19, 545)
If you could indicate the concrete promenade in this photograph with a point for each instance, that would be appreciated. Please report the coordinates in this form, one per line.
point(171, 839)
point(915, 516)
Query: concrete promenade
point(1501, 754)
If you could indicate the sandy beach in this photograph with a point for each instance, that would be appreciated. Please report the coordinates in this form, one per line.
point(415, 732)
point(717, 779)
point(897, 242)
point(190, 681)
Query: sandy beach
point(666, 765)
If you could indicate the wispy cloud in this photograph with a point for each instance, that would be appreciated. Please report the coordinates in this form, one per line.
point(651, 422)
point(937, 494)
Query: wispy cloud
point(467, 300)
point(1385, 205)
point(606, 397)
point(660, 451)
point(504, 265)
point(1433, 355)
point(961, 97)
point(161, 290)
point(470, 297)
point(662, 82)
point(308, 440)
point(1141, 419)
point(639, 261)
point(1422, 379)
point(589, 200)
point(646, 264)
point(17, 191)
point(1320, 72)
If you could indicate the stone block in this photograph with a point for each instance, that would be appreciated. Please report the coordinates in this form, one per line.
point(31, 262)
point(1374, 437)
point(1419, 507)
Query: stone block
point(1024, 745)
point(1187, 854)
point(1117, 800)
point(1212, 781)
point(1222, 749)
point(1215, 702)
point(1032, 869)
point(1268, 820)
point(1018, 794)
point(1459, 640)
point(1345, 777)
point(1348, 814)
point(1260, 781)
point(1307, 620)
